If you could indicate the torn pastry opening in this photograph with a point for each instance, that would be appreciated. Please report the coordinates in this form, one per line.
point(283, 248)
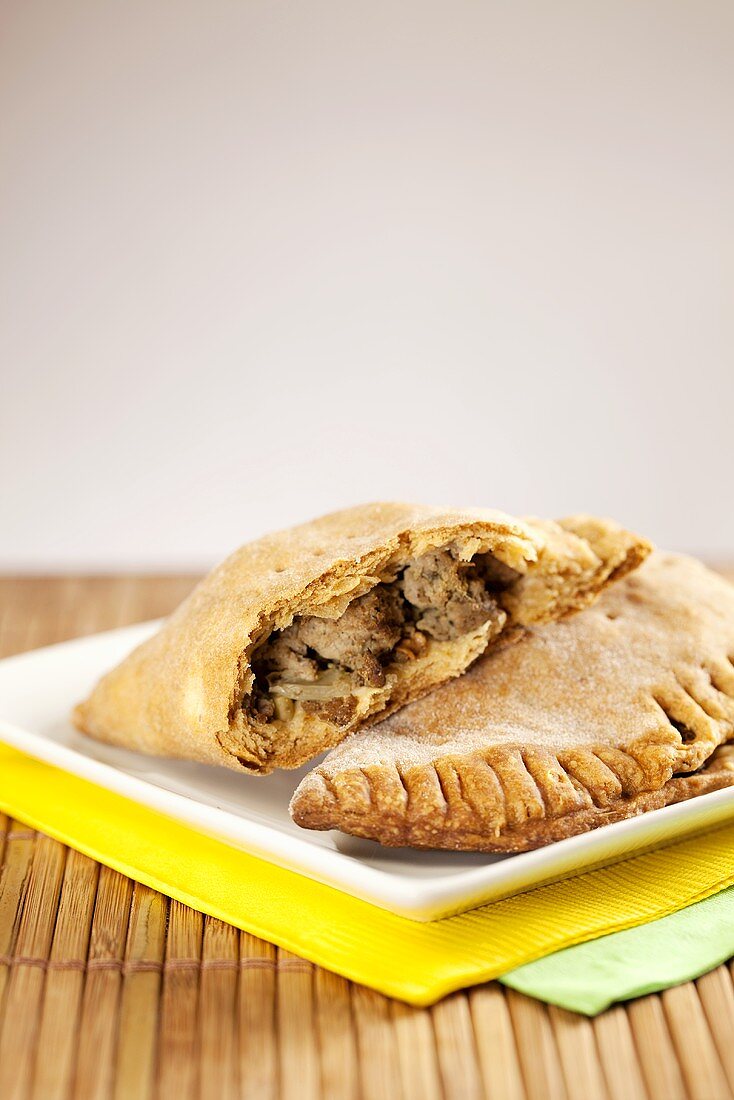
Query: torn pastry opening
point(422, 619)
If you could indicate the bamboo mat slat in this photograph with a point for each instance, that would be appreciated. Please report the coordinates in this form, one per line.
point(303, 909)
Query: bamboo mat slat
point(417, 1053)
point(27, 974)
point(256, 1018)
point(694, 1044)
point(218, 1009)
point(296, 1016)
point(582, 1072)
point(716, 993)
point(97, 1049)
point(456, 1047)
point(178, 1060)
point(539, 1057)
point(619, 1055)
point(377, 1048)
point(496, 1043)
point(146, 943)
point(65, 977)
point(109, 990)
point(337, 1041)
point(645, 1020)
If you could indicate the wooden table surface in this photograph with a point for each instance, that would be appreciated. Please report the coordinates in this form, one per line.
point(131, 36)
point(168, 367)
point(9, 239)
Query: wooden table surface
point(108, 989)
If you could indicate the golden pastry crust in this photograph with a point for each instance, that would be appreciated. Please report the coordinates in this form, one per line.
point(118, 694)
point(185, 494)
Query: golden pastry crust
point(181, 693)
point(716, 774)
point(576, 726)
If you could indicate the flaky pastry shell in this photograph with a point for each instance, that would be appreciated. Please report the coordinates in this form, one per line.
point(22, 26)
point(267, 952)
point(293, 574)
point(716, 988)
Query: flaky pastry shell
point(188, 691)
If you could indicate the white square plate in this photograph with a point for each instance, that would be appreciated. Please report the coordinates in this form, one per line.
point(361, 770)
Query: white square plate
point(38, 690)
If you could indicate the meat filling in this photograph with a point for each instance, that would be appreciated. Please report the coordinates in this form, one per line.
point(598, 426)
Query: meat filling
point(448, 596)
point(369, 628)
point(319, 662)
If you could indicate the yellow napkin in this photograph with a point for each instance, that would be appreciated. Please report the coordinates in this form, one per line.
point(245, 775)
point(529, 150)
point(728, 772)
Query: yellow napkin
point(412, 961)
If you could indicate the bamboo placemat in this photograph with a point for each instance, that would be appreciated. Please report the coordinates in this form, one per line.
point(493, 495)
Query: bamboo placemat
point(108, 989)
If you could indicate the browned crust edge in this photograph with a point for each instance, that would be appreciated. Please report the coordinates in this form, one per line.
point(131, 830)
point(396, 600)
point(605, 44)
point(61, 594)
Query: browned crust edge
point(511, 799)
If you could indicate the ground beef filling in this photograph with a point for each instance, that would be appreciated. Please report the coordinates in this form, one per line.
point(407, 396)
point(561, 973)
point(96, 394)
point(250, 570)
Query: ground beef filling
point(319, 662)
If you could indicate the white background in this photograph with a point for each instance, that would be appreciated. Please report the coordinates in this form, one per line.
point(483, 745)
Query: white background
point(260, 260)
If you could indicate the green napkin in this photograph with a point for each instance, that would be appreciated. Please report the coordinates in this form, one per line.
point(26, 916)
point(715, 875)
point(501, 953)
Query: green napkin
point(653, 956)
